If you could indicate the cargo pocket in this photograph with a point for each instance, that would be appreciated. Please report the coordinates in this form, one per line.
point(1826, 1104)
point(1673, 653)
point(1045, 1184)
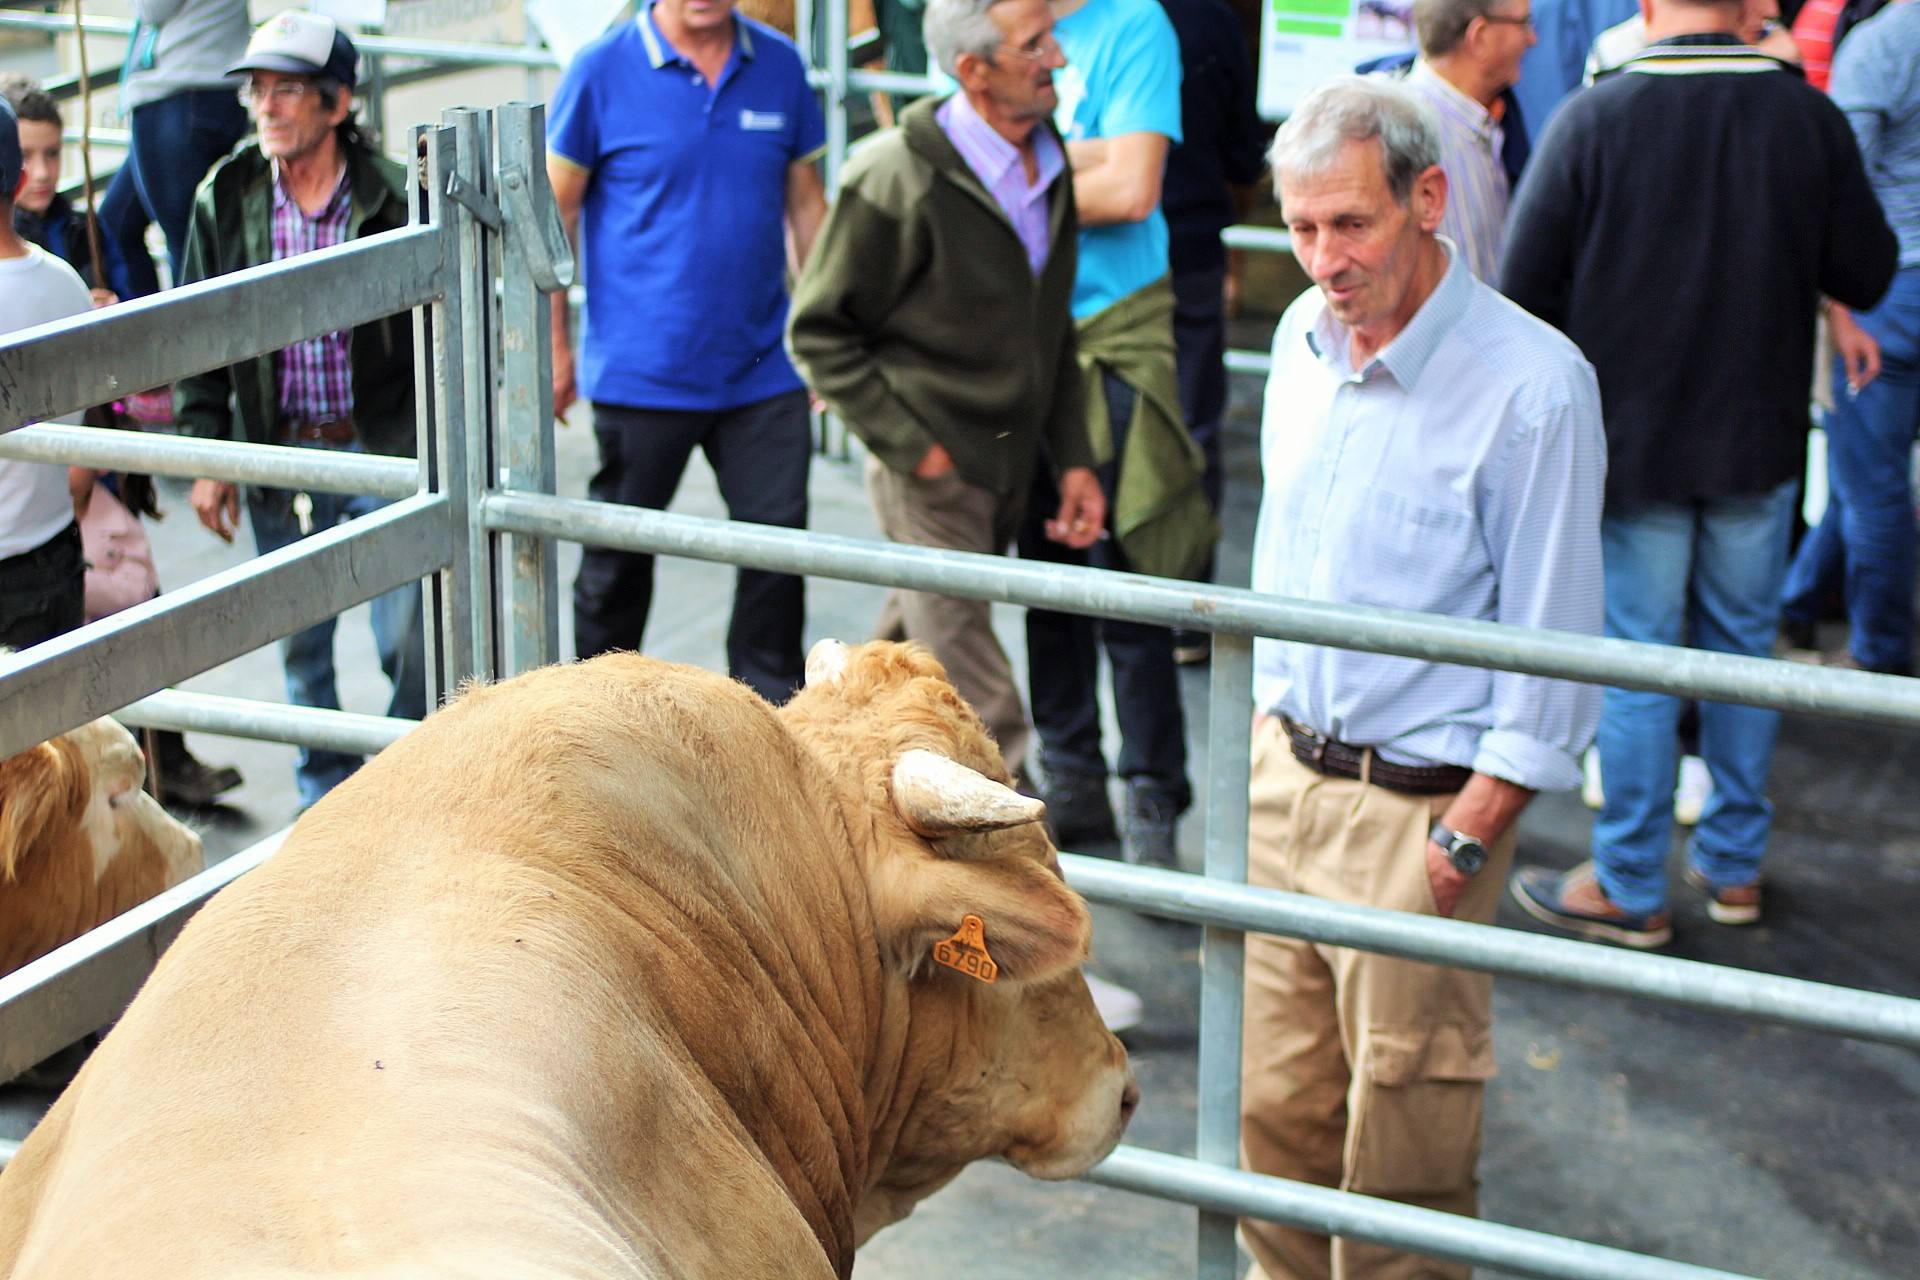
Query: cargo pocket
point(1416, 1127)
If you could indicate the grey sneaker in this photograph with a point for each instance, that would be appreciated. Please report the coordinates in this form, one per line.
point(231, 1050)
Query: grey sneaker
point(1078, 811)
point(1147, 829)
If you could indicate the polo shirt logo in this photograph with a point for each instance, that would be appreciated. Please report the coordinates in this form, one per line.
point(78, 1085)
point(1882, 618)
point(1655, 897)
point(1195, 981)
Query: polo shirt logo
point(762, 121)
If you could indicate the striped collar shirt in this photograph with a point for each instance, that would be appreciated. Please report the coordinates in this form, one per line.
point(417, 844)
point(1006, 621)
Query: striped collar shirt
point(1459, 472)
point(1477, 186)
point(314, 378)
point(996, 162)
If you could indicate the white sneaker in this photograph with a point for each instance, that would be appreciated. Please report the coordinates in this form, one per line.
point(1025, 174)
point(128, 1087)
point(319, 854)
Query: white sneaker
point(1590, 789)
point(1119, 1008)
point(1690, 794)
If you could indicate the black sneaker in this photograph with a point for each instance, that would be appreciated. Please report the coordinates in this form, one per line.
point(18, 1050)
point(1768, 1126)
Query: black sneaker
point(1148, 828)
point(1078, 811)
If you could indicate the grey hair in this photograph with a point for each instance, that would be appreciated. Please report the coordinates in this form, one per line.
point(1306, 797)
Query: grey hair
point(1355, 109)
point(954, 27)
point(1442, 24)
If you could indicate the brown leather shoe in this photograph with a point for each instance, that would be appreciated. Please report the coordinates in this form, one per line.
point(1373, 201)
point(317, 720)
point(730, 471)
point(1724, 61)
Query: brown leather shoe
point(1574, 901)
point(1731, 904)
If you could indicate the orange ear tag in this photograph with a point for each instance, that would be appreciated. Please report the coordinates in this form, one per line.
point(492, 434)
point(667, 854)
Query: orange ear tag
point(967, 951)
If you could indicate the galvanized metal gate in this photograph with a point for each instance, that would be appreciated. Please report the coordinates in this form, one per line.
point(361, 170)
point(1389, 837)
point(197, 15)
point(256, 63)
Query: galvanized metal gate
point(478, 518)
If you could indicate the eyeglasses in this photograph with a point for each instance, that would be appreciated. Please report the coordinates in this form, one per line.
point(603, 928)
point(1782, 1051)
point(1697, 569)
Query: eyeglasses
point(284, 92)
point(1046, 47)
point(1524, 20)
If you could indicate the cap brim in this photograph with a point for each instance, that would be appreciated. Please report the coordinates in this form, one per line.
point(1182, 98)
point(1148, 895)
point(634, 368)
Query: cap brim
point(276, 62)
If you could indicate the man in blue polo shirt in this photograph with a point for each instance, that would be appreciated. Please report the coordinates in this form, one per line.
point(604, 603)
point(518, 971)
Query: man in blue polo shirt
point(1120, 112)
point(685, 137)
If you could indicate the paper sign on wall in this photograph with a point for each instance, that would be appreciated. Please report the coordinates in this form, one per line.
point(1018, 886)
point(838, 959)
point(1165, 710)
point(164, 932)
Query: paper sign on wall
point(1302, 42)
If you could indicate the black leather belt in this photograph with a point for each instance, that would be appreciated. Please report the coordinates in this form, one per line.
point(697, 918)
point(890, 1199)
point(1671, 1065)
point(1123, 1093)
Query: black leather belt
point(1339, 759)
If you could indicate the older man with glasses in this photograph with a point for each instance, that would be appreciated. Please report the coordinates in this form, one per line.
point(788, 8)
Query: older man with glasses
point(308, 181)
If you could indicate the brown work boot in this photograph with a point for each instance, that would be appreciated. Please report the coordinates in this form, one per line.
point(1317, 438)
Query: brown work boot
point(181, 779)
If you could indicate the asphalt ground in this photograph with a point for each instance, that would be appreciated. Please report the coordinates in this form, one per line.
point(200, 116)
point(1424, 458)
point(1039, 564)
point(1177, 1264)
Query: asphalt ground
point(1627, 1123)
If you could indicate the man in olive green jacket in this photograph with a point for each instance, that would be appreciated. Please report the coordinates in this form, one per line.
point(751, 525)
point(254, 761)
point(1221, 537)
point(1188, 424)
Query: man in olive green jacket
point(933, 316)
point(307, 181)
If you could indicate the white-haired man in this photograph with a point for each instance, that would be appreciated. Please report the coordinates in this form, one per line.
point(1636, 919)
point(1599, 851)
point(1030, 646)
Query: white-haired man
point(934, 317)
point(1427, 445)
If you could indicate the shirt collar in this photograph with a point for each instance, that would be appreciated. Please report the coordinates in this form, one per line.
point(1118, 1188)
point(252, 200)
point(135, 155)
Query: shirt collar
point(660, 53)
point(1454, 102)
point(1002, 155)
point(1407, 356)
point(282, 197)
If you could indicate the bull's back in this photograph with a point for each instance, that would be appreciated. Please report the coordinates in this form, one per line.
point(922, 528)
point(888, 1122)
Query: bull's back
point(418, 1005)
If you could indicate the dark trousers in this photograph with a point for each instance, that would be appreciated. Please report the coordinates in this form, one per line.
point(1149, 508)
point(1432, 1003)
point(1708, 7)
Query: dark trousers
point(1063, 656)
point(43, 591)
point(1200, 357)
point(759, 453)
point(176, 140)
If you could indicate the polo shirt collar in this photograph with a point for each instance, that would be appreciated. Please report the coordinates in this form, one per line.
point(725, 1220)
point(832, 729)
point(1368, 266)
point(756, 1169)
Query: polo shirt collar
point(1407, 356)
point(660, 53)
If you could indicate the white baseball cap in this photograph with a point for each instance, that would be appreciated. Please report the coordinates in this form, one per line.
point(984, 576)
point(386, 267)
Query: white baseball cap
point(301, 43)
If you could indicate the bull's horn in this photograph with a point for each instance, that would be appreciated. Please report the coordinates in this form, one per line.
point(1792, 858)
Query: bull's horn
point(826, 662)
point(941, 797)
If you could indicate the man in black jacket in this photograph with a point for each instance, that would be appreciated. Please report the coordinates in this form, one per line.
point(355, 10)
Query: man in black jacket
point(1680, 221)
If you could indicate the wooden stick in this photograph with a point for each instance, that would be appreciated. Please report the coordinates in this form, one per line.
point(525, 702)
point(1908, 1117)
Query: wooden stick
point(100, 280)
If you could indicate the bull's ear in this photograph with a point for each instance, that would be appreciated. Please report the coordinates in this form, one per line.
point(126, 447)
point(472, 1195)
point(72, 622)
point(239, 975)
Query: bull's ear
point(936, 797)
point(41, 789)
point(1035, 926)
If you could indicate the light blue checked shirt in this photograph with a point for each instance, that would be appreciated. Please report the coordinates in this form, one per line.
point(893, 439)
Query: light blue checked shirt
point(1460, 472)
point(1477, 189)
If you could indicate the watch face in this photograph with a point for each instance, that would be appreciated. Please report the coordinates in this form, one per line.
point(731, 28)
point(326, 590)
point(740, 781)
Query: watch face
point(1468, 856)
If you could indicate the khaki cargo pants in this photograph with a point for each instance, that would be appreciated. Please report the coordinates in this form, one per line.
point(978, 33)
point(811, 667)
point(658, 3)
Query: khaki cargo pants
point(1361, 1071)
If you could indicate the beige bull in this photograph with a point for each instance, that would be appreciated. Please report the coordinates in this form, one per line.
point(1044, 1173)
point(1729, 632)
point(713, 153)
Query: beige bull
point(80, 842)
point(608, 970)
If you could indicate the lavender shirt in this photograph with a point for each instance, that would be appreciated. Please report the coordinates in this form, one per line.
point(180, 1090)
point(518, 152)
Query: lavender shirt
point(315, 377)
point(996, 162)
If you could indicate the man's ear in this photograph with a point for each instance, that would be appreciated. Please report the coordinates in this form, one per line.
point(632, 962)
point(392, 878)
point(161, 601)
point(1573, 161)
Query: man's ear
point(1035, 927)
point(1429, 197)
point(970, 72)
point(343, 106)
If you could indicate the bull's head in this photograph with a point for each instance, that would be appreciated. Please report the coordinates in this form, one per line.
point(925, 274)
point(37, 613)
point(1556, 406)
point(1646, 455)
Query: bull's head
point(1002, 1051)
point(80, 842)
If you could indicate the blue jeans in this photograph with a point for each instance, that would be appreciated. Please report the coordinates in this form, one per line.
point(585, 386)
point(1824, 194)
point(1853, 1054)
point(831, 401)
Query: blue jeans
point(175, 142)
point(1865, 543)
point(1711, 571)
point(308, 655)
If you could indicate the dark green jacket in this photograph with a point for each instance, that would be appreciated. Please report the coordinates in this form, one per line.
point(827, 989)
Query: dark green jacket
point(232, 228)
point(920, 321)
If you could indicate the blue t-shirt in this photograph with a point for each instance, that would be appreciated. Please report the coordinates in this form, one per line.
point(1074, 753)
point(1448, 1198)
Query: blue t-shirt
point(683, 227)
point(1122, 76)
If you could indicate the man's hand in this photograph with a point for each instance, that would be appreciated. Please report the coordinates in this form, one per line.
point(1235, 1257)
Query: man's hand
point(1082, 518)
point(102, 298)
point(1448, 884)
point(565, 390)
point(936, 463)
point(1859, 353)
point(217, 503)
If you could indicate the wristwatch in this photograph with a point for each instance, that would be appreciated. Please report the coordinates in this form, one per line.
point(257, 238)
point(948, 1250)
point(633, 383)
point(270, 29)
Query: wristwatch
point(1466, 854)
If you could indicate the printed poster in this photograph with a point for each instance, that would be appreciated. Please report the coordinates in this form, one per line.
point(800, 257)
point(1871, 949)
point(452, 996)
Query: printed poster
point(1302, 42)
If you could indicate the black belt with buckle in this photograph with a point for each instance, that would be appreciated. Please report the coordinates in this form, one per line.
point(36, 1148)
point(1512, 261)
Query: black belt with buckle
point(331, 431)
point(1339, 759)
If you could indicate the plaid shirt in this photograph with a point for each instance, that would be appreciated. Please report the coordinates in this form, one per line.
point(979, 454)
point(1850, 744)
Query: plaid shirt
point(314, 378)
